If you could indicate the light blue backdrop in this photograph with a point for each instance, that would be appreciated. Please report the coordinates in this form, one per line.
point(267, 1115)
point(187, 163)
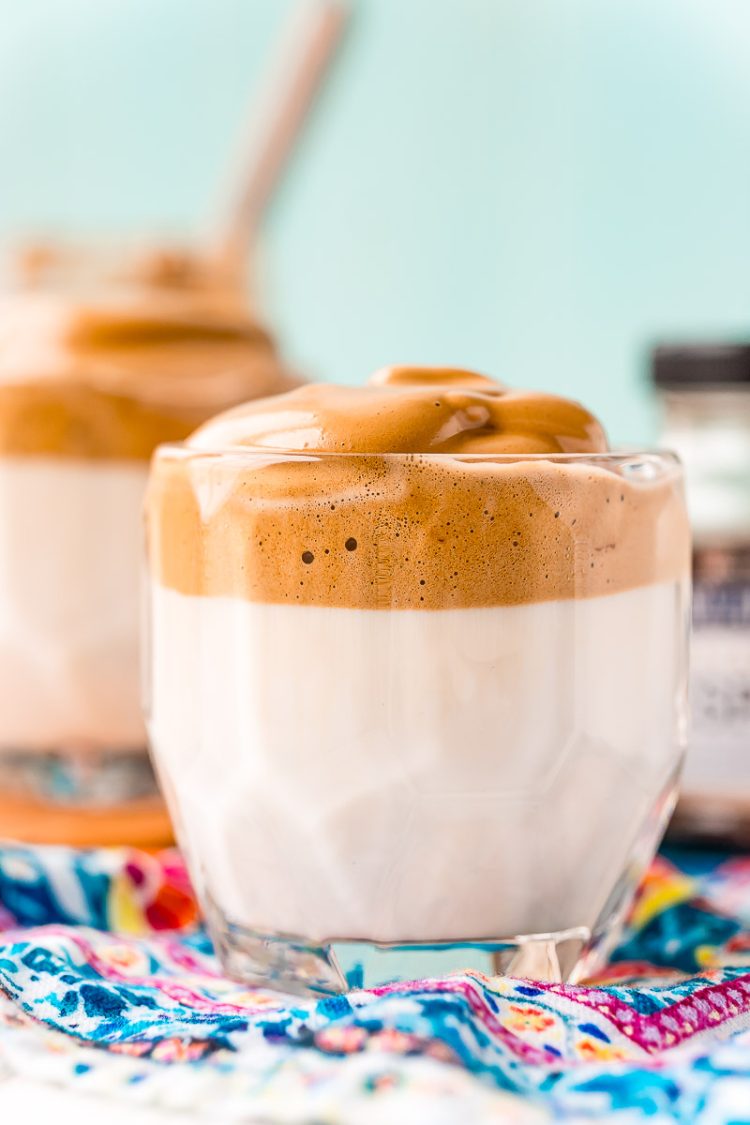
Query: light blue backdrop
point(534, 187)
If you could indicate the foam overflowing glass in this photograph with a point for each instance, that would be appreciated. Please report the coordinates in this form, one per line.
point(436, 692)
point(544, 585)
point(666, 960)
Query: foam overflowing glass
point(415, 713)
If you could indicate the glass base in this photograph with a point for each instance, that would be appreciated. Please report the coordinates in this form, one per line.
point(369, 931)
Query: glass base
point(294, 965)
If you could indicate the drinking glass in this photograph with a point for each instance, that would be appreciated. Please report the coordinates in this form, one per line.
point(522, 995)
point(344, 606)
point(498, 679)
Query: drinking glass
point(415, 714)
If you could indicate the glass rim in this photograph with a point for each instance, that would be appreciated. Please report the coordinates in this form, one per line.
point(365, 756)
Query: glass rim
point(181, 449)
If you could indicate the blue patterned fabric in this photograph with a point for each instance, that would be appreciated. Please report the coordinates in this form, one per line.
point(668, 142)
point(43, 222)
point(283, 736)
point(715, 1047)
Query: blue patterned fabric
point(107, 983)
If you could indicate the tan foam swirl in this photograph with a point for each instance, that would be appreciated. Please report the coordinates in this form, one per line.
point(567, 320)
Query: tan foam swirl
point(114, 379)
point(381, 503)
point(409, 410)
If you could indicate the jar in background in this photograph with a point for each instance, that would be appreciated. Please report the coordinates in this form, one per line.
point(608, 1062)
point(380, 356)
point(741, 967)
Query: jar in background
point(705, 395)
point(102, 358)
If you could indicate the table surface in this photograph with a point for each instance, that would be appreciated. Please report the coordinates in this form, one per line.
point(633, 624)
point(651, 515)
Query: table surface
point(37, 1101)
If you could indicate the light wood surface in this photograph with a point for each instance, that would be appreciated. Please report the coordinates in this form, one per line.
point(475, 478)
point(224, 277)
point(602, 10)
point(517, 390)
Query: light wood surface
point(143, 823)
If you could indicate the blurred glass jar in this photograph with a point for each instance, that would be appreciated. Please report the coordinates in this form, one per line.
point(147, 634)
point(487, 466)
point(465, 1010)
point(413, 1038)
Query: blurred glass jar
point(104, 354)
point(705, 395)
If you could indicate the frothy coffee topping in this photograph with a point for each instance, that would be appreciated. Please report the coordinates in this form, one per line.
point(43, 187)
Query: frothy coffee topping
point(410, 410)
point(401, 495)
point(114, 378)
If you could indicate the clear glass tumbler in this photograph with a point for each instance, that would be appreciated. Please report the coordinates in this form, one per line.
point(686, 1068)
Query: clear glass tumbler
point(414, 714)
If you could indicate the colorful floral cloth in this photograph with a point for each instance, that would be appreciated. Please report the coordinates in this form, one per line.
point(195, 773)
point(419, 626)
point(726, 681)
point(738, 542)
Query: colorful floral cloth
point(108, 983)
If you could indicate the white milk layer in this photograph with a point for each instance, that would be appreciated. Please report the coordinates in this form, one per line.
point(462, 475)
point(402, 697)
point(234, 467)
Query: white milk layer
point(70, 560)
point(416, 775)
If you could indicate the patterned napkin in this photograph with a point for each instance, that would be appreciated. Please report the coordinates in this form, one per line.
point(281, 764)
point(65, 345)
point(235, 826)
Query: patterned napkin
point(108, 984)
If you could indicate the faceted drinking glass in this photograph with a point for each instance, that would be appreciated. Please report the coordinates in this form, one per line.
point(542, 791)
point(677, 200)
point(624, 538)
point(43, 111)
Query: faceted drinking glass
point(425, 713)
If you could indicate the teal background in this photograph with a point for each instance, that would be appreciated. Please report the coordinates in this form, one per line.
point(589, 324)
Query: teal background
point(534, 187)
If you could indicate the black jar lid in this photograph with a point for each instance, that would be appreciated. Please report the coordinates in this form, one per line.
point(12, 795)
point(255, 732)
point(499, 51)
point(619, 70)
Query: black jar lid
point(693, 367)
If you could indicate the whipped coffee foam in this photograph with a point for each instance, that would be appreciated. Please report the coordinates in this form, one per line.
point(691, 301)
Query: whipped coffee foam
point(398, 481)
point(112, 378)
point(409, 410)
